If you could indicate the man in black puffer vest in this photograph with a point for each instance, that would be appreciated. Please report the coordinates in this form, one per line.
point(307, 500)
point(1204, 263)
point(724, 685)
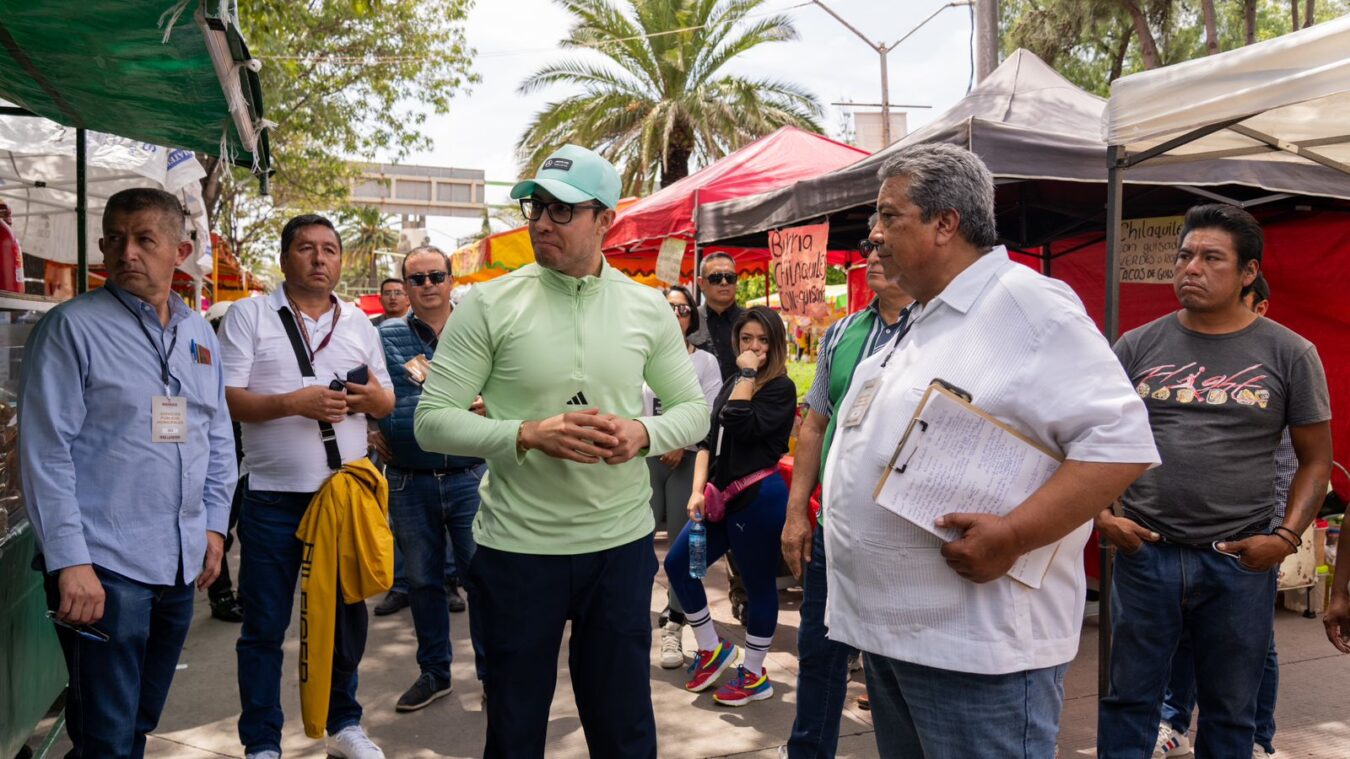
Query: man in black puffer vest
point(431, 496)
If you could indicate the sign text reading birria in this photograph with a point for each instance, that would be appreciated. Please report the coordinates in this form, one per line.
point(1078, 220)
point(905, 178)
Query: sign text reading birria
point(797, 260)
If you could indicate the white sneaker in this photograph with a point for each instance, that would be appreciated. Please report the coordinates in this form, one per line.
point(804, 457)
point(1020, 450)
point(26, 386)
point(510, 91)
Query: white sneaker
point(263, 755)
point(352, 743)
point(672, 651)
point(1170, 743)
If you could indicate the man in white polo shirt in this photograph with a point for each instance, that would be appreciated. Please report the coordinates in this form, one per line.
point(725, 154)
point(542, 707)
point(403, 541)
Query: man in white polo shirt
point(962, 660)
point(296, 431)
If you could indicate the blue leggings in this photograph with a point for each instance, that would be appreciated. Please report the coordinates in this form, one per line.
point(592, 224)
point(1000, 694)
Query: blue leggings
point(755, 534)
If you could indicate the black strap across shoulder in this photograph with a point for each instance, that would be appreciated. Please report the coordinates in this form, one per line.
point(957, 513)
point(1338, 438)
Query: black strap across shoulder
point(326, 431)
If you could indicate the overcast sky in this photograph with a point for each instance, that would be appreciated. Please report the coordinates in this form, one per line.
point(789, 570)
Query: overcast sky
point(513, 39)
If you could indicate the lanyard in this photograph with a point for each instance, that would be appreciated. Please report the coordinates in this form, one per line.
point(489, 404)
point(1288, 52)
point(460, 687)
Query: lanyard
point(154, 345)
point(900, 333)
point(304, 333)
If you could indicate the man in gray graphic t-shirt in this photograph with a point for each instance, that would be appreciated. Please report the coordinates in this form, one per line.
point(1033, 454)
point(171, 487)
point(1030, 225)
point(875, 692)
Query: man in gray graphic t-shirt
point(1197, 554)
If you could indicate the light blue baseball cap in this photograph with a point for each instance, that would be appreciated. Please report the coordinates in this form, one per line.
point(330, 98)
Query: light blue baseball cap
point(574, 174)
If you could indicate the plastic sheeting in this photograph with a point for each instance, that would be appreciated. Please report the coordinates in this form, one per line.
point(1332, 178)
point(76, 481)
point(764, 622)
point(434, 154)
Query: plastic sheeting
point(1297, 85)
point(37, 180)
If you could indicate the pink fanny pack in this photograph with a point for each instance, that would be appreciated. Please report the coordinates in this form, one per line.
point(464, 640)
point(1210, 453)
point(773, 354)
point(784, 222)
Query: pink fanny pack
point(715, 501)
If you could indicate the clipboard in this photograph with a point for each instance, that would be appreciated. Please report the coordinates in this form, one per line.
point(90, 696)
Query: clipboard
point(955, 457)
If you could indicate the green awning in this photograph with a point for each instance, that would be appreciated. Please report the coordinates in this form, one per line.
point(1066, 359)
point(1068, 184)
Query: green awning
point(106, 65)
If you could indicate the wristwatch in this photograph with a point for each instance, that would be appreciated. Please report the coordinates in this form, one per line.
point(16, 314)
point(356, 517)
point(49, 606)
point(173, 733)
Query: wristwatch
point(749, 373)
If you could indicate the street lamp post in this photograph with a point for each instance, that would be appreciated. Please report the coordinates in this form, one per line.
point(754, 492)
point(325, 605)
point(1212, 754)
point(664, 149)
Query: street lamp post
point(882, 50)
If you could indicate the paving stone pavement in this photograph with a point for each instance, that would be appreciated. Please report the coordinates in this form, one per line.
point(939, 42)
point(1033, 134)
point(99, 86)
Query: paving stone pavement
point(1313, 713)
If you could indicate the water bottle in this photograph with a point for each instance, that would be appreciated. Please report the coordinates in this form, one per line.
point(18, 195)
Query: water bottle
point(698, 549)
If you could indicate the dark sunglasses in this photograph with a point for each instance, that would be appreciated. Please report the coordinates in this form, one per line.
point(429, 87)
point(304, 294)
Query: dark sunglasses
point(558, 211)
point(722, 278)
point(681, 310)
point(417, 280)
point(866, 247)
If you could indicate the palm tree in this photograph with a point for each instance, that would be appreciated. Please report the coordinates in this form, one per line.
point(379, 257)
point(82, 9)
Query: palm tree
point(659, 102)
point(365, 233)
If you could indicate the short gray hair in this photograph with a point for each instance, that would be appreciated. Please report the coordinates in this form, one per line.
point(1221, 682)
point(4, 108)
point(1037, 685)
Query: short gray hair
point(943, 176)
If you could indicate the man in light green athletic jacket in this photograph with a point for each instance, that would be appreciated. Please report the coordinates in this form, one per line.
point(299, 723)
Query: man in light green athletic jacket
point(559, 351)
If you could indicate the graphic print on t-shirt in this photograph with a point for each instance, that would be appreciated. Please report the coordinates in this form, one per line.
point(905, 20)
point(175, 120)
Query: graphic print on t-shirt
point(1193, 383)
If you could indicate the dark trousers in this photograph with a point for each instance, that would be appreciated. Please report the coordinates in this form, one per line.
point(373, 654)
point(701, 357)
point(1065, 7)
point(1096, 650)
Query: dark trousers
point(269, 564)
point(524, 601)
point(822, 675)
point(118, 688)
point(1164, 591)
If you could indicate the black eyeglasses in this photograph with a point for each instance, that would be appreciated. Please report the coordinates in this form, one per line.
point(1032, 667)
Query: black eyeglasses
point(417, 280)
point(722, 278)
point(681, 310)
point(866, 247)
point(558, 211)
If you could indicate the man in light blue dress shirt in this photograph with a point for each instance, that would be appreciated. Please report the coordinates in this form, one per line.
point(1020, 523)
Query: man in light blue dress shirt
point(128, 470)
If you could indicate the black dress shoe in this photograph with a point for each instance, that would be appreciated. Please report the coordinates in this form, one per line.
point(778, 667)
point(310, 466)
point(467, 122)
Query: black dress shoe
point(393, 601)
point(453, 599)
point(226, 608)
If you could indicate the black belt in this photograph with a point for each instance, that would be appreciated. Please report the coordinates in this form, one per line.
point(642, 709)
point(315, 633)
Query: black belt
point(437, 472)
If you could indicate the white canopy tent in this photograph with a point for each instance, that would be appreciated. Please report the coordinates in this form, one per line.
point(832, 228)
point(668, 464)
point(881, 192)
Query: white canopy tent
point(1285, 99)
point(38, 182)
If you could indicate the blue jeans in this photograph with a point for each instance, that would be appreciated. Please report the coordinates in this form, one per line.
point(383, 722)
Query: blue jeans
point(754, 535)
point(1180, 699)
point(269, 564)
point(401, 575)
point(822, 674)
point(1165, 591)
point(118, 688)
point(927, 713)
point(424, 507)
point(526, 601)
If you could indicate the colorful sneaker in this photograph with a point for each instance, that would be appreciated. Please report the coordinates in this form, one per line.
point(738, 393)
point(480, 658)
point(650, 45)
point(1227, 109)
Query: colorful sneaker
point(709, 665)
point(744, 688)
point(1170, 743)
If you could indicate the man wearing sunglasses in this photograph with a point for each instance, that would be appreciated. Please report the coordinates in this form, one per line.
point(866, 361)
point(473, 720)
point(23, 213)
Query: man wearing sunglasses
point(559, 351)
point(719, 311)
point(431, 495)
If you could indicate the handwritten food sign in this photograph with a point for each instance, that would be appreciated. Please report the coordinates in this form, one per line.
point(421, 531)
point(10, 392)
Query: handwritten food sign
point(797, 260)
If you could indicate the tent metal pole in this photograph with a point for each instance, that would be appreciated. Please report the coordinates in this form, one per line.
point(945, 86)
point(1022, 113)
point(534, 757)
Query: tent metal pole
point(698, 268)
point(1114, 186)
point(81, 211)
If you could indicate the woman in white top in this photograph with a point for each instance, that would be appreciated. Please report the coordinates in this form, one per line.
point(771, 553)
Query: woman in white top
point(673, 474)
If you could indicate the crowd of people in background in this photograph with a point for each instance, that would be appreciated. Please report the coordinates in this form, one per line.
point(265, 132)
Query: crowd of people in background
point(529, 443)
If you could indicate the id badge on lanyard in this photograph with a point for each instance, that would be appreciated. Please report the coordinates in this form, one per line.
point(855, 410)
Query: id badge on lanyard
point(169, 419)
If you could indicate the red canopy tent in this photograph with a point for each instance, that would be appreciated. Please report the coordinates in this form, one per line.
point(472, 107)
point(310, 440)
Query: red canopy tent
point(776, 160)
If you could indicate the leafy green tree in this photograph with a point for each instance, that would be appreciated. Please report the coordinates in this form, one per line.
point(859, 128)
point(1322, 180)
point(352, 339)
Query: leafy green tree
point(654, 97)
point(341, 79)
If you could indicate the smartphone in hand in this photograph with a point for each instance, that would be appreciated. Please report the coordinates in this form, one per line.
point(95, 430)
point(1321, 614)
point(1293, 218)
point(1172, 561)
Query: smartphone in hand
point(359, 376)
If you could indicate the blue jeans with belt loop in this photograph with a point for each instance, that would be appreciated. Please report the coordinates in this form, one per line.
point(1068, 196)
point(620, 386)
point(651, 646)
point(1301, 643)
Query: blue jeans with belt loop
point(1161, 592)
point(428, 511)
point(118, 688)
point(269, 565)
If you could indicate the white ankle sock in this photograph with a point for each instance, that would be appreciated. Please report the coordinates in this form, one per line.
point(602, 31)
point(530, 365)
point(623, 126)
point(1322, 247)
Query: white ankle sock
point(756, 648)
point(704, 633)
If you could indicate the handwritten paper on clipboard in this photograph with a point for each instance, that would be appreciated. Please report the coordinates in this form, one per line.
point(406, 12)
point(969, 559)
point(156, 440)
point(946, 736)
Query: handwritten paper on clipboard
point(956, 458)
